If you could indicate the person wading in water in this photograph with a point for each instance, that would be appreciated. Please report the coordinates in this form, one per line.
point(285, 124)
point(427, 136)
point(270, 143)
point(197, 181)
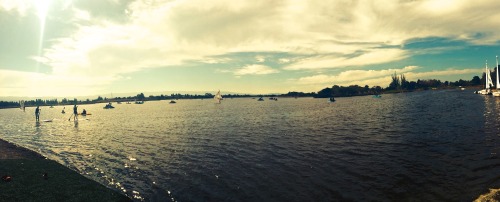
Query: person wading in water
point(75, 113)
point(37, 113)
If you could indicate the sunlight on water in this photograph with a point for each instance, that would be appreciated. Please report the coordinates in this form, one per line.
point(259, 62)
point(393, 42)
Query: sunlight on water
point(429, 146)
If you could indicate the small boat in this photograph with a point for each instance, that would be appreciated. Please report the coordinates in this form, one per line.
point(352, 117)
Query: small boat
point(139, 102)
point(332, 99)
point(51, 106)
point(260, 99)
point(377, 96)
point(108, 106)
point(172, 102)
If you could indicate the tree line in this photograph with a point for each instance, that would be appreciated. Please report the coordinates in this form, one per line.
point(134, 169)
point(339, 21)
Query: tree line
point(100, 99)
point(398, 83)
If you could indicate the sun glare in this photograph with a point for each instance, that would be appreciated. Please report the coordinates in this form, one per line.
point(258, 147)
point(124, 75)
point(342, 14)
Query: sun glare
point(42, 7)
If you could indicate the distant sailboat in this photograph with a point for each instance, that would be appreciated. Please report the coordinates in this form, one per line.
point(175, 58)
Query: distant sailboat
point(218, 97)
point(497, 93)
point(21, 103)
point(488, 84)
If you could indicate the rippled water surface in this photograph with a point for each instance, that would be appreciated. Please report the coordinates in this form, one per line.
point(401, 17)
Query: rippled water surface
point(429, 146)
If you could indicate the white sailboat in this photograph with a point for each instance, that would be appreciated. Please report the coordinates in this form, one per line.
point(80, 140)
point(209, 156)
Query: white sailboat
point(489, 83)
point(218, 97)
point(497, 93)
point(21, 103)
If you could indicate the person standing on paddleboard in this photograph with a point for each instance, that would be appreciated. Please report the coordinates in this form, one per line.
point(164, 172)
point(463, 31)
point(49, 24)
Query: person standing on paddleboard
point(37, 113)
point(75, 112)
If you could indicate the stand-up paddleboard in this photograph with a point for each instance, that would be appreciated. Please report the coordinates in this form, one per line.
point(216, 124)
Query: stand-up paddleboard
point(48, 120)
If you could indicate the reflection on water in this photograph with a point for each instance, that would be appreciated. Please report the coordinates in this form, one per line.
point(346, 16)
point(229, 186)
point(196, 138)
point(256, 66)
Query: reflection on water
point(432, 146)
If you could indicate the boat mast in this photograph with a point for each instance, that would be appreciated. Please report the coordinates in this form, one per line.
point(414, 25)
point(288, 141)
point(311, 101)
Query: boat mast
point(486, 76)
point(498, 83)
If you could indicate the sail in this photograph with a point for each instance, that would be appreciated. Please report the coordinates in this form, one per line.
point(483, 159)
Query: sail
point(218, 97)
point(21, 104)
point(488, 77)
point(498, 83)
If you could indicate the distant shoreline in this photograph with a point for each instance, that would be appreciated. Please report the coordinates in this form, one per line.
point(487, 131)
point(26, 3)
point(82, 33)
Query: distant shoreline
point(189, 97)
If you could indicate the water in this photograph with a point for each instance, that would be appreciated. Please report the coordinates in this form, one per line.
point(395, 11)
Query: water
point(422, 146)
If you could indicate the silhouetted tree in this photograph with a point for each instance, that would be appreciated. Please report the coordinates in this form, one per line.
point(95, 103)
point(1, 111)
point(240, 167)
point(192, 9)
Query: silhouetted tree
point(395, 83)
point(141, 96)
point(475, 81)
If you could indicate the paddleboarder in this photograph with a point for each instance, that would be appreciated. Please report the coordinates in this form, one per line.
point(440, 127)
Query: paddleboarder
point(75, 112)
point(37, 113)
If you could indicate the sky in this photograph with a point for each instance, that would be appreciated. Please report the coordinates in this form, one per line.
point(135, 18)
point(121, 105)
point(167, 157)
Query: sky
point(99, 47)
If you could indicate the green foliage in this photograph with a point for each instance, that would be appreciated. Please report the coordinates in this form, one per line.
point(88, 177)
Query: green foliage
point(398, 84)
point(353, 90)
point(298, 94)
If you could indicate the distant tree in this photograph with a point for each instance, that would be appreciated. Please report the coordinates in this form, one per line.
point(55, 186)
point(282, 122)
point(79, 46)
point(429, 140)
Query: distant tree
point(141, 96)
point(326, 92)
point(404, 82)
point(395, 83)
point(475, 81)
point(412, 85)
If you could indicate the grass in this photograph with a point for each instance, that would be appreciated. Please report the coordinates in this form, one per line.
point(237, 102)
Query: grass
point(61, 184)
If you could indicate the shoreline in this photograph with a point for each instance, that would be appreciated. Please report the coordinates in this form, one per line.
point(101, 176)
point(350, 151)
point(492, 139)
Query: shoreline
point(29, 176)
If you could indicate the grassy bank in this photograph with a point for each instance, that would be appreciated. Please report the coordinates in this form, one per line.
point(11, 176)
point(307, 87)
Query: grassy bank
point(27, 176)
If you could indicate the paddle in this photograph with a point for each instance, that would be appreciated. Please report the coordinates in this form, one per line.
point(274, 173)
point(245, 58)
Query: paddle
point(70, 117)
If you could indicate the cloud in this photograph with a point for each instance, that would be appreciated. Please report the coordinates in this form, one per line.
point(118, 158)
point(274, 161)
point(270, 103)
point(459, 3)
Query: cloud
point(369, 57)
point(380, 77)
point(255, 70)
point(166, 33)
point(106, 39)
point(20, 6)
point(352, 75)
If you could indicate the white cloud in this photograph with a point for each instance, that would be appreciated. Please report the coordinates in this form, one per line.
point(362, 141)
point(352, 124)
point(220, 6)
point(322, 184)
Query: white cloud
point(284, 60)
point(353, 75)
point(380, 77)
point(255, 70)
point(316, 34)
point(167, 33)
point(374, 56)
point(19, 6)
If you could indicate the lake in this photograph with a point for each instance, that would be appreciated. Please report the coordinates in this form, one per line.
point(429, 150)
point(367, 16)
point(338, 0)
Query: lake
point(424, 146)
